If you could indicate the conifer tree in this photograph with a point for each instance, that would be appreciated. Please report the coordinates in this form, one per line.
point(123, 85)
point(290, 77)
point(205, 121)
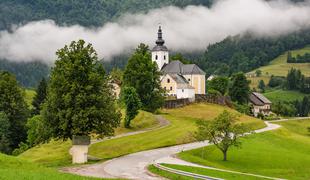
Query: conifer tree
point(239, 90)
point(40, 96)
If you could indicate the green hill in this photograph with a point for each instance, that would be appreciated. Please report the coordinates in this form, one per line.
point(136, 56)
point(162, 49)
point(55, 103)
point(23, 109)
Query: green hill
point(279, 67)
point(16, 168)
point(182, 123)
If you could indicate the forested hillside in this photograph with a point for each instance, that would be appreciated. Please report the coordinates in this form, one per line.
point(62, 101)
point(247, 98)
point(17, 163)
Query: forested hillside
point(86, 13)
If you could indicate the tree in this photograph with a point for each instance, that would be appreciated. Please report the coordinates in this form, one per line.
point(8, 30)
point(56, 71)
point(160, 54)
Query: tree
point(261, 85)
point(223, 131)
point(79, 99)
point(40, 96)
point(219, 84)
point(133, 104)
point(179, 57)
point(258, 73)
point(116, 76)
point(37, 132)
point(4, 131)
point(143, 75)
point(294, 78)
point(239, 89)
point(13, 105)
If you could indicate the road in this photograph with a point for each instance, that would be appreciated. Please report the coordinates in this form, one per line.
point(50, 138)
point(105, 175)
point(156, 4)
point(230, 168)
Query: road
point(134, 166)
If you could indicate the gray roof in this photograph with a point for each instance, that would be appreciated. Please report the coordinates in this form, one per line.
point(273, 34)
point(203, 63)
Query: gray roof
point(160, 48)
point(182, 83)
point(259, 99)
point(179, 68)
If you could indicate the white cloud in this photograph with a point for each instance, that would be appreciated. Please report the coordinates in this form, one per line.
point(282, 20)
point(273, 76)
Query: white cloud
point(188, 29)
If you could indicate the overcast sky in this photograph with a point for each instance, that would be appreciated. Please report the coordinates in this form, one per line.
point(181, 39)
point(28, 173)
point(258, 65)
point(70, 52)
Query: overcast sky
point(189, 29)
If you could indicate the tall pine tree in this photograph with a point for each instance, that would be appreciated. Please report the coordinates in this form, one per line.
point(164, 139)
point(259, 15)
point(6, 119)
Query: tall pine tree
point(39, 97)
point(239, 90)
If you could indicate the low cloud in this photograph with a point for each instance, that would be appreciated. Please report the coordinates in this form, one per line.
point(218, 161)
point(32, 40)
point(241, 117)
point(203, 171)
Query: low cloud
point(191, 28)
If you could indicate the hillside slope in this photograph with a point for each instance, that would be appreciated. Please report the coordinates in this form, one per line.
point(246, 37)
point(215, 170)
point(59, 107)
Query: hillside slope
point(16, 168)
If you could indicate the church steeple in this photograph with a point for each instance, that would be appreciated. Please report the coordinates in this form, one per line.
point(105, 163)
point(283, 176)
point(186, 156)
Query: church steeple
point(160, 53)
point(160, 41)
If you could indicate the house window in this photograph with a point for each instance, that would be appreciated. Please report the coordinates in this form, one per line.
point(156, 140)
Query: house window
point(165, 88)
point(171, 88)
point(182, 90)
point(189, 80)
point(156, 57)
point(164, 57)
point(168, 80)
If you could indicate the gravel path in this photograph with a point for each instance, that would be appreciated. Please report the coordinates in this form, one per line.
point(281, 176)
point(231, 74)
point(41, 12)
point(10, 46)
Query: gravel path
point(134, 166)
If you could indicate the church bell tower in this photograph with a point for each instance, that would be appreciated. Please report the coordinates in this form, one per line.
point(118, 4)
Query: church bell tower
point(160, 52)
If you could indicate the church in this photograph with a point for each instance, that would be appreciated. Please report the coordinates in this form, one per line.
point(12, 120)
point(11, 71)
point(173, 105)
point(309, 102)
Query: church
point(178, 79)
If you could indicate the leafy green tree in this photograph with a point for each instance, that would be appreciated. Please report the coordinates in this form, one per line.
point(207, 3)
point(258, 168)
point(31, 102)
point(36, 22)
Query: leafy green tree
point(133, 104)
point(223, 131)
point(261, 85)
point(142, 74)
point(294, 78)
point(258, 73)
point(12, 103)
point(4, 131)
point(79, 99)
point(276, 81)
point(37, 131)
point(239, 90)
point(116, 76)
point(40, 96)
point(219, 84)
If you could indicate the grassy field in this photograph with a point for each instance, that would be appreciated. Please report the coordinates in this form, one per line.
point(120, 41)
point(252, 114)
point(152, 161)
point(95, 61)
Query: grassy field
point(178, 132)
point(283, 153)
point(18, 169)
point(196, 170)
point(284, 95)
point(56, 153)
point(279, 67)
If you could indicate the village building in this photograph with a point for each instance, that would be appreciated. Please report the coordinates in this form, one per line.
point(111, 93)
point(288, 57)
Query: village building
point(260, 104)
point(179, 80)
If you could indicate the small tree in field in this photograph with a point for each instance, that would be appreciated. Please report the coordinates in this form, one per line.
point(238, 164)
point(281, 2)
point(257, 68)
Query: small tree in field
point(133, 104)
point(223, 132)
point(79, 98)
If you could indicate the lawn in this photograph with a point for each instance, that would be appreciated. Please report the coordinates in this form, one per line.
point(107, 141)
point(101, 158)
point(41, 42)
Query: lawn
point(178, 132)
point(16, 168)
point(197, 170)
point(284, 95)
point(182, 123)
point(283, 153)
point(56, 153)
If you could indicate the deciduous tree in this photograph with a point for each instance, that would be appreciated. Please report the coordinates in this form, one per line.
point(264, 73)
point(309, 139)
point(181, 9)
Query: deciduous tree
point(223, 132)
point(79, 99)
point(142, 74)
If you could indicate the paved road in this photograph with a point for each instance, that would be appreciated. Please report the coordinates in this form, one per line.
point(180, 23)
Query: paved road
point(134, 166)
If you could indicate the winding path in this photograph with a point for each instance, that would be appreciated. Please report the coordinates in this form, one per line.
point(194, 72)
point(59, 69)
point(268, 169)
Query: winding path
point(134, 166)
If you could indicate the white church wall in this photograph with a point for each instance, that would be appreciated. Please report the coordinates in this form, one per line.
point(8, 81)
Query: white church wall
point(162, 58)
point(186, 93)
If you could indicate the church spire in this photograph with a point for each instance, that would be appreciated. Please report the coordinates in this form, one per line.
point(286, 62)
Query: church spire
point(160, 41)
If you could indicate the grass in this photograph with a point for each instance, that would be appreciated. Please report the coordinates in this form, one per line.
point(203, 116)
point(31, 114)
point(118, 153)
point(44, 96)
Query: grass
point(167, 175)
point(56, 153)
point(284, 95)
point(178, 132)
point(283, 153)
point(279, 67)
point(16, 168)
point(206, 172)
point(182, 123)
point(29, 95)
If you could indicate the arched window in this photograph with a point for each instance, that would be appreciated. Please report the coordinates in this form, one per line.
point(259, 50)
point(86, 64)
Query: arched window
point(156, 57)
point(171, 88)
point(168, 80)
point(164, 57)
